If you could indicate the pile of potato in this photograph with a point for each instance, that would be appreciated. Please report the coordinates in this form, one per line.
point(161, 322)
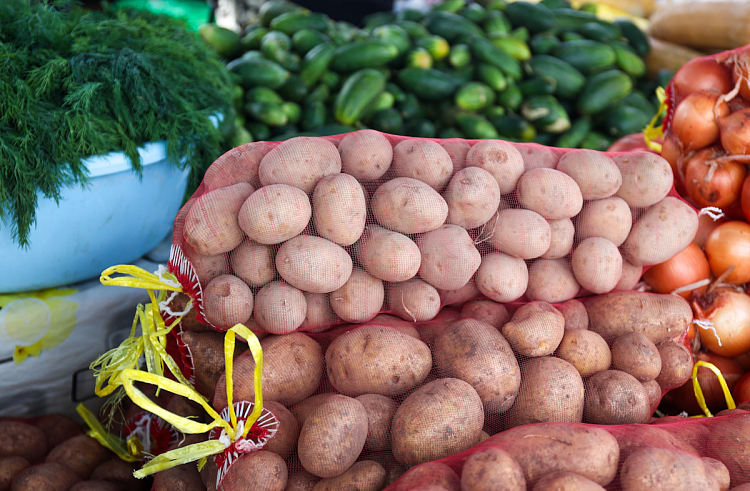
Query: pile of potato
point(313, 232)
point(364, 403)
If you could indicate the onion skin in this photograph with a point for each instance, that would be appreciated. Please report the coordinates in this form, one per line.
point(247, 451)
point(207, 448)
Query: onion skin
point(706, 225)
point(741, 60)
point(741, 392)
point(729, 312)
point(735, 132)
point(701, 74)
point(629, 143)
point(725, 183)
point(745, 199)
point(672, 152)
point(694, 122)
point(729, 245)
point(686, 267)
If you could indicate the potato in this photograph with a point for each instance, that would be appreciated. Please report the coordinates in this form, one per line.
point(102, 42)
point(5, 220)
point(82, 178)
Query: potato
point(301, 480)
point(339, 209)
point(239, 164)
point(275, 213)
point(414, 300)
point(562, 232)
point(333, 436)
point(211, 224)
point(472, 196)
point(22, 440)
point(446, 412)
point(262, 470)
point(535, 329)
point(665, 229)
point(650, 468)
point(501, 277)
point(535, 156)
point(485, 310)
point(550, 193)
point(449, 257)
point(207, 353)
point(374, 359)
point(387, 255)
point(631, 437)
point(551, 280)
point(408, 206)
point(252, 263)
point(119, 473)
point(719, 472)
point(520, 233)
point(95, 485)
point(313, 264)
point(300, 162)
point(429, 474)
point(227, 300)
point(575, 314)
point(492, 469)
point(597, 264)
point(549, 447)
point(365, 475)
point(320, 315)
point(676, 364)
point(635, 354)
point(615, 398)
point(609, 218)
point(566, 481)
point(305, 407)
point(631, 276)
point(10, 467)
point(183, 477)
point(476, 352)
point(596, 174)
point(653, 390)
point(659, 317)
point(587, 351)
point(499, 158)
point(206, 267)
point(52, 476)
point(735, 456)
point(360, 298)
point(365, 154)
point(279, 308)
point(646, 178)
point(284, 442)
point(424, 160)
point(292, 371)
point(457, 148)
point(380, 410)
point(461, 295)
point(57, 428)
point(397, 323)
point(551, 390)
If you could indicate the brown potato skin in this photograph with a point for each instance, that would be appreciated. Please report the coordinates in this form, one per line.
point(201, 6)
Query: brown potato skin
point(719, 472)
point(50, 476)
point(95, 485)
point(667, 470)
point(236, 165)
point(659, 317)
point(566, 481)
point(10, 467)
point(446, 411)
point(380, 410)
point(365, 475)
point(736, 457)
point(575, 314)
point(635, 354)
point(258, 470)
point(300, 162)
point(81, 453)
point(301, 480)
point(57, 428)
point(333, 436)
point(284, 442)
point(587, 351)
point(22, 440)
point(676, 364)
point(365, 154)
point(429, 474)
point(535, 329)
point(614, 397)
point(486, 310)
point(492, 469)
point(211, 223)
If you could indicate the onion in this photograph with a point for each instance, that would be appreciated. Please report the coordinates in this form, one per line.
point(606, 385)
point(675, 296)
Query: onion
point(729, 245)
point(745, 199)
point(741, 391)
point(728, 313)
point(671, 151)
point(700, 74)
point(686, 268)
point(741, 70)
point(713, 183)
point(735, 132)
point(694, 119)
point(706, 225)
point(631, 142)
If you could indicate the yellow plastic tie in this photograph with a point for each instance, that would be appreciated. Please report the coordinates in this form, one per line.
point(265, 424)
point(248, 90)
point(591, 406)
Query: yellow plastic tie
point(197, 451)
point(653, 132)
point(699, 392)
point(96, 431)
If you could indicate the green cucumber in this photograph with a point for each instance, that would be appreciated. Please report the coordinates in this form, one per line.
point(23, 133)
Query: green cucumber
point(415, 30)
point(320, 92)
point(436, 45)
point(474, 12)
point(638, 99)
point(514, 127)
point(313, 115)
point(511, 98)
point(332, 80)
point(384, 100)
point(475, 126)
point(370, 53)
point(543, 43)
point(546, 113)
point(451, 26)
point(267, 113)
point(251, 40)
point(376, 19)
point(570, 81)
point(446, 133)
point(421, 128)
point(294, 89)
point(538, 85)
point(459, 56)
point(263, 94)
point(599, 31)
point(393, 34)
point(596, 141)
point(419, 58)
point(275, 40)
point(534, 16)
point(260, 131)
point(273, 8)
point(451, 6)
point(588, 56)
point(603, 91)
point(410, 107)
point(292, 110)
point(628, 59)
point(497, 23)
point(357, 92)
point(387, 121)
point(306, 39)
point(487, 52)
point(637, 39)
point(474, 96)
point(514, 46)
point(570, 19)
point(397, 91)
point(621, 120)
point(316, 62)
point(492, 76)
point(575, 134)
point(258, 71)
point(410, 14)
point(428, 84)
point(291, 22)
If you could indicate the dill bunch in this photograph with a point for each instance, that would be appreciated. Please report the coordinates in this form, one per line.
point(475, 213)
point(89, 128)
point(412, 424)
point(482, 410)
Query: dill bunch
point(77, 83)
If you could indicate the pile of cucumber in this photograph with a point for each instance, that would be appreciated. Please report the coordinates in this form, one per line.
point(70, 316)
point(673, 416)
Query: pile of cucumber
point(518, 71)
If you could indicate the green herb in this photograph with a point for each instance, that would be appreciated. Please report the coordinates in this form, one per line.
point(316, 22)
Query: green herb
point(77, 83)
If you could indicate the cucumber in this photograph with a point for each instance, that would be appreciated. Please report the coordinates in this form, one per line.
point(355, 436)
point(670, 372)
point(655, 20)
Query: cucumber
point(514, 127)
point(493, 112)
point(521, 33)
point(487, 52)
point(514, 46)
point(534, 16)
point(621, 120)
point(492, 76)
point(273, 41)
point(393, 34)
point(410, 14)
point(638, 99)
point(316, 62)
point(332, 80)
point(446, 133)
point(461, 75)
point(267, 113)
point(225, 42)
point(546, 139)
point(637, 39)
point(475, 126)
point(474, 12)
point(273, 8)
point(603, 91)
point(428, 84)
point(459, 56)
point(291, 22)
point(452, 6)
point(388, 121)
point(306, 39)
point(292, 110)
point(313, 115)
point(436, 45)
point(260, 131)
point(384, 100)
point(598, 32)
point(358, 92)
point(397, 92)
point(263, 94)
point(575, 134)
point(569, 19)
point(474, 96)
point(320, 92)
point(497, 23)
point(251, 39)
point(538, 85)
point(294, 89)
point(570, 81)
point(418, 58)
point(543, 43)
point(588, 56)
point(357, 55)
point(240, 136)
point(596, 141)
point(511, 98)
point(421, 128)
point(628, 60)
point(546, 113)
point(555, 4)
point(451, 26)
point(415, 30)
point(571, 36)
point(258, 71)
point(376, 19)
point(410, 107)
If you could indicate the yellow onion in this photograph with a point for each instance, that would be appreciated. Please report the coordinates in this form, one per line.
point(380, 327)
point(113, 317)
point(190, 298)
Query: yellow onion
point(723, 319)
point(729, 246)
point(685, 269)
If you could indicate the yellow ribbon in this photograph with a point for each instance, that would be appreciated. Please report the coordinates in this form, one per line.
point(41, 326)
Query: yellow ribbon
point(116, 444)
point(152, 342)
point(699, 392)
point(653, 132)
point(197, 451)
